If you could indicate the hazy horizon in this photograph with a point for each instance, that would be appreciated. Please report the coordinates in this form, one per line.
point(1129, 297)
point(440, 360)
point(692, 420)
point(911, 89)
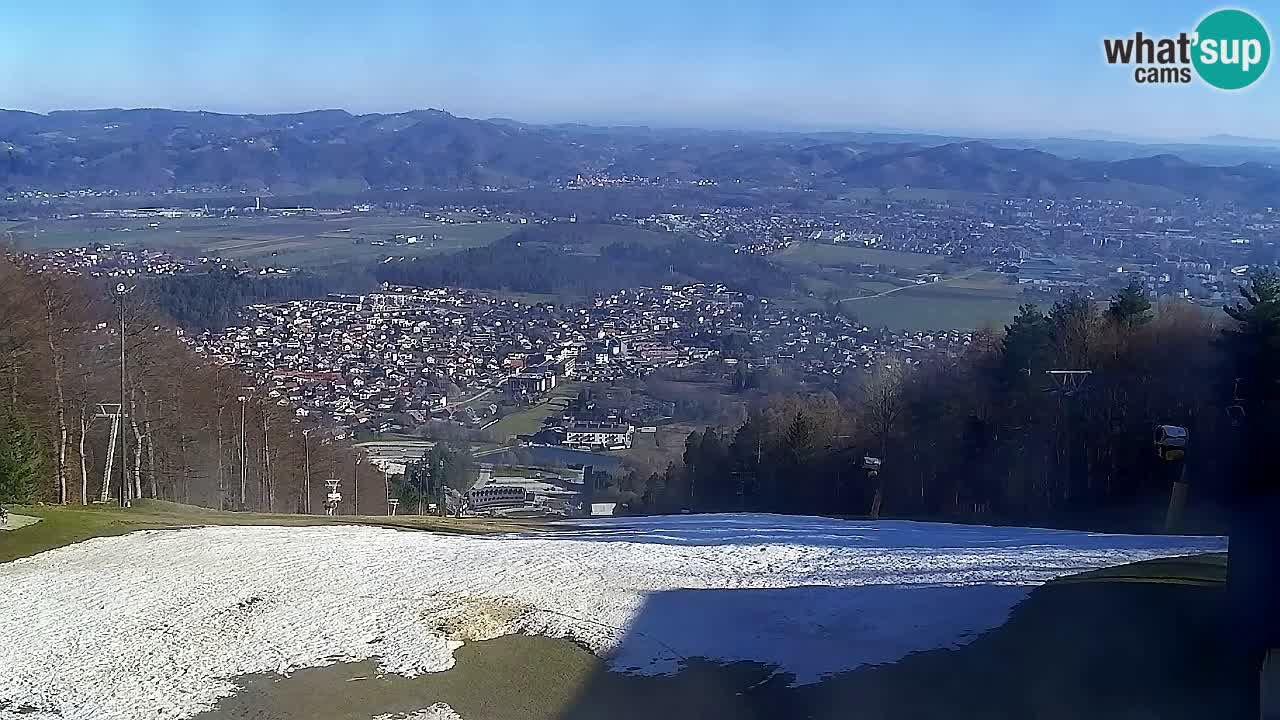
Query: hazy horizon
point(1087, 135)
point(1000, 68)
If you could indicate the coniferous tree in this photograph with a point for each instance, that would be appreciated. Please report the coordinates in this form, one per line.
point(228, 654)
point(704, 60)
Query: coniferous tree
point(21, 460)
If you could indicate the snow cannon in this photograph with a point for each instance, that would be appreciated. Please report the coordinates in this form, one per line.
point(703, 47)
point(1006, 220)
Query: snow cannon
point(1171, 446)
point(1171, 442)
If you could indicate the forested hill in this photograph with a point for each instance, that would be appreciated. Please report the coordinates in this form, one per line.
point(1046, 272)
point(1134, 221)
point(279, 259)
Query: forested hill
point(991, 438)
point(215, 299)
point(557, 260)
point(59, 360)
point(152, 150)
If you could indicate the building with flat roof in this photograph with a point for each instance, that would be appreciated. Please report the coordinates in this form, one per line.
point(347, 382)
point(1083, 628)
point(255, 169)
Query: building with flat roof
point(583, 433)
point(530, 383)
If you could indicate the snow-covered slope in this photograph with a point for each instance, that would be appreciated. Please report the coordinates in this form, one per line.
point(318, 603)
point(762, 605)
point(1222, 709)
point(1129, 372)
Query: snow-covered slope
point(155, 624)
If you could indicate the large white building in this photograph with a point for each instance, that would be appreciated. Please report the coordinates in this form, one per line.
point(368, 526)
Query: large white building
point(598, 434)
point(496, 497)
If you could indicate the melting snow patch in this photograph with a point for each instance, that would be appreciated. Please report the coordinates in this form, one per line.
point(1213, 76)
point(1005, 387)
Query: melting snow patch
point(439, 711)
point(158, 624)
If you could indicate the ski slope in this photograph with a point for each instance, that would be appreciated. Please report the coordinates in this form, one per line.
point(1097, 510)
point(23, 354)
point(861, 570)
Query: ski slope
point(156, 624)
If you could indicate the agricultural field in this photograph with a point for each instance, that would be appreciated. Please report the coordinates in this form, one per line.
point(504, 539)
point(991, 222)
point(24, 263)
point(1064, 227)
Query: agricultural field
point(288, 241)
point(961, 299)
point(526, 298)
point(912, 194)
point(653, 451)
point(966, 302)
point(818, 255)
point(596, 236)
point(527, 421)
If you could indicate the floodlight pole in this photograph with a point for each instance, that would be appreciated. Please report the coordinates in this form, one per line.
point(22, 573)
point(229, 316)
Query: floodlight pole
point(244, 461)
point(306, 471)
point(121, 291)
point(1065, 378)
point(355, 484)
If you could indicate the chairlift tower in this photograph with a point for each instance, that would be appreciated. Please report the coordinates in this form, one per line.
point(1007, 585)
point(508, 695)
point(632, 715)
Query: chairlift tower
point(122, 290)
point(1066, 384)
point(334, 497)
point(110, 411)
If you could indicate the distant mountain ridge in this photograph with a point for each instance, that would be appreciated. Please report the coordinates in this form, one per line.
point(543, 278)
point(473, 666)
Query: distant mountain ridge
point(150, 149)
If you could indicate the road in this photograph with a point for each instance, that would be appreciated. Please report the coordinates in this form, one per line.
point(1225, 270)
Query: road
point(493, 451)
point(890, 291)
point(473, 398)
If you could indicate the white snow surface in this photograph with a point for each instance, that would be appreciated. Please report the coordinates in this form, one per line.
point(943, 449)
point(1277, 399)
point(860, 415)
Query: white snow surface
point(157, 624)
point(438, 711)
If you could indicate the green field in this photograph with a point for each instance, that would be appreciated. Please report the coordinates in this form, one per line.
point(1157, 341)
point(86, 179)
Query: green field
point(911, 194)
point(960, 300)
point(64, 525)
point(935, 307)
point(594, 237)
point(524, 297)
point(527, 421)
point(655, 450)
point(814, 255)
point(303, 241)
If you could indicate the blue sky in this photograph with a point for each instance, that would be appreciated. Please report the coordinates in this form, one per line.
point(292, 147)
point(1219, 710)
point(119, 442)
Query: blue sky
point(975, 66)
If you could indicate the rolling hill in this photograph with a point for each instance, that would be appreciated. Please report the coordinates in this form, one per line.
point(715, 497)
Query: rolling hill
point(159, 150)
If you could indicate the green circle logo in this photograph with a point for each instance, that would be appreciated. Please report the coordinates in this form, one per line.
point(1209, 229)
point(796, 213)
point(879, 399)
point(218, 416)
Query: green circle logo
point(1232, 49)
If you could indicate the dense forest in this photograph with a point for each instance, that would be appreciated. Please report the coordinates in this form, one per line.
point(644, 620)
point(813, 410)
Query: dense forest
point(333, 151)
point(190, 436)
point(558, 260)
point(213, 300)
point(993, 437)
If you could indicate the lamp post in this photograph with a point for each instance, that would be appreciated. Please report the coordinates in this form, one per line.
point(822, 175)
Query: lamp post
point(355, 484)
point(306, 471)
point(386, 480)
point(244, 450)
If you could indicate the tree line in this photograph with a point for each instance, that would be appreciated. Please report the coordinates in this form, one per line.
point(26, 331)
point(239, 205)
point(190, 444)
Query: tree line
point(424, 482)
point(997, 436)
point(213, 300)
point(196, 431)
point(559, 260)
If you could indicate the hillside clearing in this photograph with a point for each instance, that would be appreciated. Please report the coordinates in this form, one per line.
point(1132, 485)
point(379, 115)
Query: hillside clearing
point(284, 241)
point(187, 610)
point(64, 525)
point(810, 254)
